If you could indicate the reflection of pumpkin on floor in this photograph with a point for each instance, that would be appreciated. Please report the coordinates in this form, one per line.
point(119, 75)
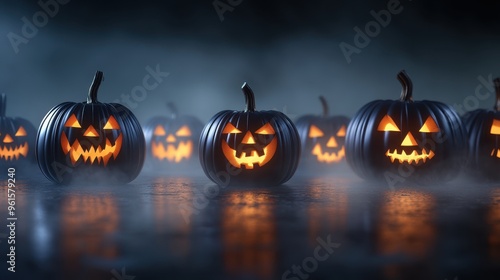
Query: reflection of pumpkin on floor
point(249, 235)
point(87, 224)
point(406, 226)
point(494, 224)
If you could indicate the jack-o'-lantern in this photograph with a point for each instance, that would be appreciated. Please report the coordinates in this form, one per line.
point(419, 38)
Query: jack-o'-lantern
point(90, 140)
point(419, 141)
point(172, 140)
point(322, 138)
point(250, 147)
point(17, 138)
point(483, 127)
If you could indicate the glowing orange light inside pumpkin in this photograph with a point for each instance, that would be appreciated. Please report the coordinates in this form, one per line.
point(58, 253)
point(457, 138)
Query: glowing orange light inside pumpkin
point(315, 132)
point(21, 132)
point(249, 158)
point(387, 124)
point(8, 139)
point(341, 132)
point(266, 129)
point(91, 132)
point(495, 127)
point(72, 122)
point(413, 157)
point(169, 151)
point(111, 123)
point(184, 131)
point(159, 131)
point(429, 126)
point(230, 129)
point(92, 154)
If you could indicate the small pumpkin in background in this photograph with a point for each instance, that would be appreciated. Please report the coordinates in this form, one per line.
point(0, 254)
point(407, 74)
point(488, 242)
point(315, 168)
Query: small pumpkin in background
point(17, 138)
point(405, 140)
point(90, 141)
point(483, 127)
point(322, 138)
point(253, 148)
point(172, 141)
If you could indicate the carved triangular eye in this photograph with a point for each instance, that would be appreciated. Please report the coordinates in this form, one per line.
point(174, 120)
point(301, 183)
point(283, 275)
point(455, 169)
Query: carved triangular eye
point(429, 126)
point(184, 131)
point(159, 131)
point(495, 127)
point(314, 132)
point(265, 129)
point(230, 129)
point(72, 122)
point(341, 132)
point(21, 132)
point(111, 123)
point(387, 124)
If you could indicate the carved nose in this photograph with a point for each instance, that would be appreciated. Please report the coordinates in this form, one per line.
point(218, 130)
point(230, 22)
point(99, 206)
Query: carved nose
point(248, 139)
point(8, 139)
point(332, 143)
point(91, 132)
point(409, 140)
point(171, 138)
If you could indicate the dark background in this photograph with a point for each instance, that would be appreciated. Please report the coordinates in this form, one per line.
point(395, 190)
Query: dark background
point(288, 51)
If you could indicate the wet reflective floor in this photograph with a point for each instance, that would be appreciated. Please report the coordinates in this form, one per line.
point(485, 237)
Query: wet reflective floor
point(179, 227)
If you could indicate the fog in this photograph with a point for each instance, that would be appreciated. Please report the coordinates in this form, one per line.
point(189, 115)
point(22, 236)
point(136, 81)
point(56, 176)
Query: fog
point(288, 53)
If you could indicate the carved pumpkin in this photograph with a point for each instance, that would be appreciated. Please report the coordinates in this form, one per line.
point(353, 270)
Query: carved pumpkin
point(420, 141)
point(322, 138)
point(17, 139)
point(90, 140)
point(483, 127)
point(172, 141)
point(249, 147)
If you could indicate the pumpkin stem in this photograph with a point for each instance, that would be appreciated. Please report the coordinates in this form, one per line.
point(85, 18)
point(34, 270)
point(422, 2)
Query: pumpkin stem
point(173, 109)
point(249, 98)
point(3, 104)
point(325, 105)
point(497, 89)
point(92, 97)
point(407, 92)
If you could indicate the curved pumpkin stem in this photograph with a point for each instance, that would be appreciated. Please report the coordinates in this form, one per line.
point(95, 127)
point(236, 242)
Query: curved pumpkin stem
point(497, 89)
point(3, 104)
point(407, 91)
point(173, 109)
point(324, 105)
point(92, 97)
point(249, 98)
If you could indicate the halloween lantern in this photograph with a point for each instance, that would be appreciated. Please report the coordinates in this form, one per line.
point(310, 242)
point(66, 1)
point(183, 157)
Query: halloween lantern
point(249, 147)
point(17, 139)
point(90, 140)
point(322, 138)
point(483, 127)
point(172, 141)
point(419, 141)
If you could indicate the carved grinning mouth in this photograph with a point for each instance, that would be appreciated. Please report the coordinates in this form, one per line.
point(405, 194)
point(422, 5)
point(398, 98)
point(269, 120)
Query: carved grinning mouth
point(10, 153)
point(326, 156)
point(102, 154)
point(410, 158)
point(171, 153)
point(249, 158)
